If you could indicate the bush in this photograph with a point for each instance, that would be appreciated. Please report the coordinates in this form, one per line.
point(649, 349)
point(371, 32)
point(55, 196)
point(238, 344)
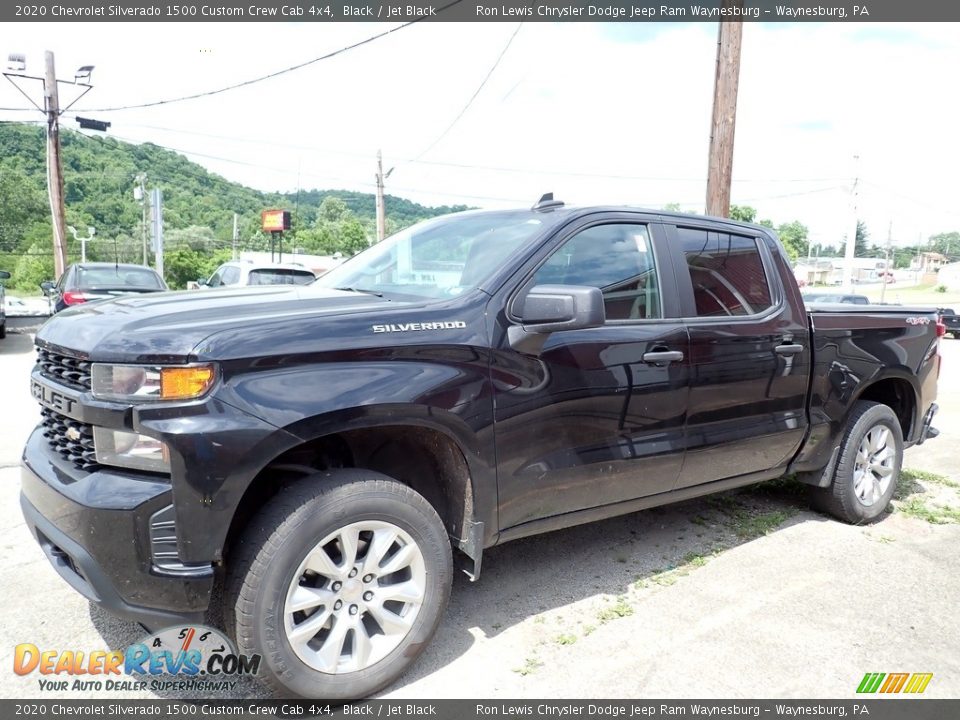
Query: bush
point(940, 288)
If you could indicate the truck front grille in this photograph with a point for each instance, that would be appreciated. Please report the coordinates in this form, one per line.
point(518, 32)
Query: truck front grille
point(72, 439)
point(70, 371)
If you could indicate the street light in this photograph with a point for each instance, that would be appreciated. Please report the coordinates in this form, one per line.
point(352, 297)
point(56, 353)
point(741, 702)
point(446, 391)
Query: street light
point(83, 73)
point(16, 62)
point(91, 231)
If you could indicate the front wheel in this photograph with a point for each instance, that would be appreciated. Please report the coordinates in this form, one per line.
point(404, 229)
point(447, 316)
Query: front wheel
point(868, 468)
point(339, 584)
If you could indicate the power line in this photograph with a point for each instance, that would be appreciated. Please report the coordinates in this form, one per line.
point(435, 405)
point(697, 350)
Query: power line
point(474, 96)
point(272, 75)
point(463, 166)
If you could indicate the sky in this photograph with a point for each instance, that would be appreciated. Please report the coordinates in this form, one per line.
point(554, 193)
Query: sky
point(597, 113)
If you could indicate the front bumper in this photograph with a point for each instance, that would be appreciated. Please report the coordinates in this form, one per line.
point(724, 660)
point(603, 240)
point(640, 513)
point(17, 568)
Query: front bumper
point(94, 529)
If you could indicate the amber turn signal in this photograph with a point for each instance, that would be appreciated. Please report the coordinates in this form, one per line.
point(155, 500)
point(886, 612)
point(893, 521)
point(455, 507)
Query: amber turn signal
point(181, 383)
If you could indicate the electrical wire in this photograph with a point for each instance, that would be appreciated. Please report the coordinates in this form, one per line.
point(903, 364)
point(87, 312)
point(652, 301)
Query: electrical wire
point(271, 75)
point(474, 96)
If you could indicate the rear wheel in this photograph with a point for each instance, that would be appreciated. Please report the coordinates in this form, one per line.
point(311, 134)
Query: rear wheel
point(339, 584)
point(868, 467)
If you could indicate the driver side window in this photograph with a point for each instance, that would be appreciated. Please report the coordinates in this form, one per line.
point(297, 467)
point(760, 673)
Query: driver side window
point(214, 280)
point(618, 259)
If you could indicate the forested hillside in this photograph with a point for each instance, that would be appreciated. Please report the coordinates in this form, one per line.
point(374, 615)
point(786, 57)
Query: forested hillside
point(99, 178)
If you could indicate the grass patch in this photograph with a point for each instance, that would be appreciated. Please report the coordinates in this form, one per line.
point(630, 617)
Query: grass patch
point(694, 559)
point(924, 476)
point(665, 580)
point(917, 507)
point(620, 609)
point(529, 666)
point(565, 639)
point(748, 527)
point(588, 629)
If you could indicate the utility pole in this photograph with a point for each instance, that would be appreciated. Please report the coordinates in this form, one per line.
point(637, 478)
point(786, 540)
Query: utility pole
point(887, 273)
point(142, 197)
point(724, 119)
point(234, 253)
point(381, 210)
point(156, 208)
point(852, 238)
point(55, 167)
point(17, 65)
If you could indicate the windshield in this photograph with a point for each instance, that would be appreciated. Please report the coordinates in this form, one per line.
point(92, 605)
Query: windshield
point(436, 258)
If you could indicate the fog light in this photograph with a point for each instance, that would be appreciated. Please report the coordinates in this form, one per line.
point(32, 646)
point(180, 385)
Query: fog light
point(130, 450)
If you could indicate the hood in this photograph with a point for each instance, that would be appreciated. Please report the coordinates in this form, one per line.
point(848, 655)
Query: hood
point(168, 326)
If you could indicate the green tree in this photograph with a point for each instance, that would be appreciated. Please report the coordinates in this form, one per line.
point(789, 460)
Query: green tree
point(946, 243)
point(793, 235)
point(743, 213)
point(860, 242)
point(33, 267)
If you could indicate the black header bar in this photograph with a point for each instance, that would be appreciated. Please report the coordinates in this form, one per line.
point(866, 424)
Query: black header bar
point(481, 10)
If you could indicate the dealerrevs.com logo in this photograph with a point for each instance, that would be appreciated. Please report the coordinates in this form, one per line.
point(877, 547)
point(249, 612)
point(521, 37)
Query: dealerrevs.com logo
point(193, 657)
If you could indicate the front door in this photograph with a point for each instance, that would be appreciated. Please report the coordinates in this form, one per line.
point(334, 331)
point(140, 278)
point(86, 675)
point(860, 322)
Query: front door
point(598, 416)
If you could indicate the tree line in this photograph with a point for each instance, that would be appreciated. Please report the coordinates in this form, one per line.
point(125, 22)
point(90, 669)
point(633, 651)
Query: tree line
point(198, 209)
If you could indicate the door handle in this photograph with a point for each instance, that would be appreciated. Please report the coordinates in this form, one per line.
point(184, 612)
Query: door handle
point(658, 357)
point(791, 349)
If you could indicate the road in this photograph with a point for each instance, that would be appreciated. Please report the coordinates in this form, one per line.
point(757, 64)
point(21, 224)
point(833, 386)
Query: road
point(748, 594)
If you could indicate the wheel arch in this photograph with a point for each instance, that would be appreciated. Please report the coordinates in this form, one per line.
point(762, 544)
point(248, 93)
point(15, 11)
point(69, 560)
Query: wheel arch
point(440, 460)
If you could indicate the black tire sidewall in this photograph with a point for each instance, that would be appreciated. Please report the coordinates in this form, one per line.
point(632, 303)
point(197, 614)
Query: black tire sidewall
point(286, 548)
point(843, 489)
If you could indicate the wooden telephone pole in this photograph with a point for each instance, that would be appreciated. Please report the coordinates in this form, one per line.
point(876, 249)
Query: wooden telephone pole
point(723, 123)
point(381, 210)
point(55, 167)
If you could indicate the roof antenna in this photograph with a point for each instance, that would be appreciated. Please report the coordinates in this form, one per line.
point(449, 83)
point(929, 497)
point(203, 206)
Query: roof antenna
point(546, 203)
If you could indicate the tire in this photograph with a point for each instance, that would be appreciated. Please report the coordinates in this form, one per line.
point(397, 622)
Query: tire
point(3, 331)
point(862, 492)
point(297, 552)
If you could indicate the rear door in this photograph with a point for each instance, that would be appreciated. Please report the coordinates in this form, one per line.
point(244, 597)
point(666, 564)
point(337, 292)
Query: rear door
point(597, 417)
point(749, 357)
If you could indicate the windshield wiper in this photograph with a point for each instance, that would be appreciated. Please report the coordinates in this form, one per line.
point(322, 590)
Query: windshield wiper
point(361, 290)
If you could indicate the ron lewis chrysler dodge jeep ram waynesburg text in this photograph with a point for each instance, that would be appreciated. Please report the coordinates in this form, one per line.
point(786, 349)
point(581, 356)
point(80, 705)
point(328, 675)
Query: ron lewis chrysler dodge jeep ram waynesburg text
point(322, 455)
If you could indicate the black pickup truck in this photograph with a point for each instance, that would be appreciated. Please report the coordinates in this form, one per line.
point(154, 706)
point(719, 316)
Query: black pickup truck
point(313, 460)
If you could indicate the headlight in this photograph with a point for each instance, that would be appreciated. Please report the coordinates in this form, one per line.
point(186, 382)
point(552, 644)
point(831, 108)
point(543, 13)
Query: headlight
point(130, 450)
point(132, 383)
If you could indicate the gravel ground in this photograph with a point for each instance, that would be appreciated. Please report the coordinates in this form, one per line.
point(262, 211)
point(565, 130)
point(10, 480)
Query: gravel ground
point(746, 594)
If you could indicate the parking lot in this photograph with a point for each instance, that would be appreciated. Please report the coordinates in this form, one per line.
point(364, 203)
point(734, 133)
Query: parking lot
point(747, 594)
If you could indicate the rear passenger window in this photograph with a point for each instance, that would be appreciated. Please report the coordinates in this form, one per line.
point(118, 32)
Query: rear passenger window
point(726, 272)
point(616, 258)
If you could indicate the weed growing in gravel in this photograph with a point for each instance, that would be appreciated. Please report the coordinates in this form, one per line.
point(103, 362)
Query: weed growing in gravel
point(621, 608)
point(588, 629)
point(566, 639)
point(530, 666)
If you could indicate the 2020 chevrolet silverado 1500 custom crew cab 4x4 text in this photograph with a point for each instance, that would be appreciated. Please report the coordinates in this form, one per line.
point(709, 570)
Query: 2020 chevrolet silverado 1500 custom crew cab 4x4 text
point(473, 379)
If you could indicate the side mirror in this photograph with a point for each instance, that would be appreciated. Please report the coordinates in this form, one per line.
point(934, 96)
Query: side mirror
point(48, 286)
point(553, 308)
point(4, 275)
point(201, 281)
